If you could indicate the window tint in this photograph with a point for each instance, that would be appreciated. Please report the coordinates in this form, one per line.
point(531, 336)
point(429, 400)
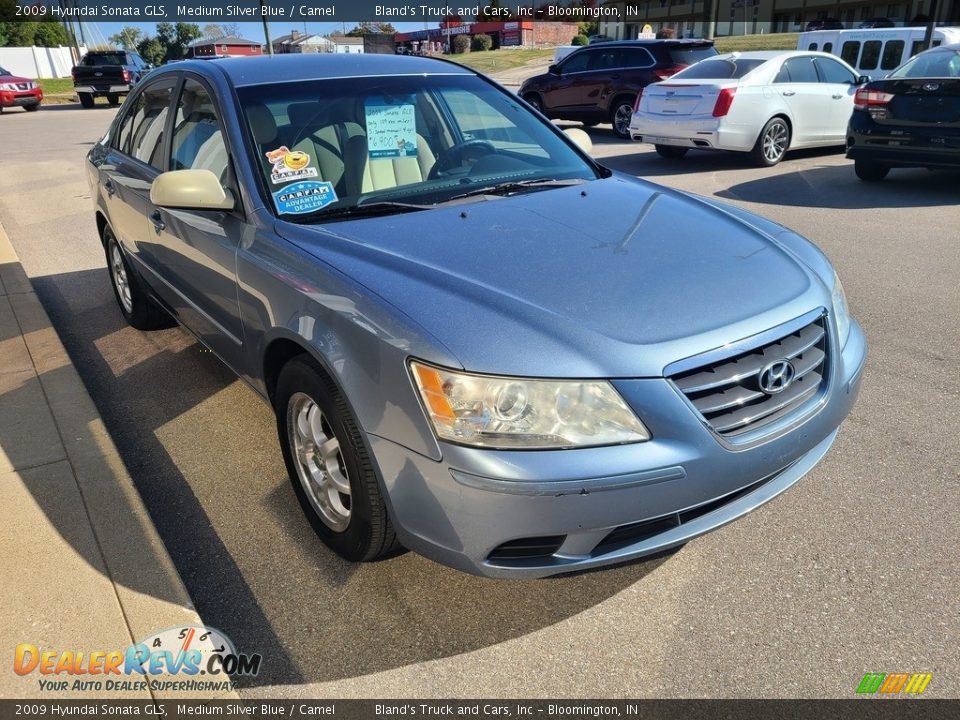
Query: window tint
point(943, 63)
point(636, 57)
point(828, 47)
point(812, 46)
point(578, 62)
point(197, 139)
point(117, 58)
point(850, 51)
point(606, 59)
point(690, 55)
point(833, 72)
point(729, 69)
point(783, 76)
point(141, 134)
point(801, 70)
point(871, 55)
point(892, 52)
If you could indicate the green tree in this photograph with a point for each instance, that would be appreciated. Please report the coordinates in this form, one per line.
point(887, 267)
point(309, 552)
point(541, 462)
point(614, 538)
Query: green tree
point(176, 38)
point(128, 38)
point(365, 28)
point(581, 40)
point(152, 50)
point(481, 42)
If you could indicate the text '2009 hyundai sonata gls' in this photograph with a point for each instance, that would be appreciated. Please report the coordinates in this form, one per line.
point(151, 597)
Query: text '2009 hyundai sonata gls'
point(479, 344)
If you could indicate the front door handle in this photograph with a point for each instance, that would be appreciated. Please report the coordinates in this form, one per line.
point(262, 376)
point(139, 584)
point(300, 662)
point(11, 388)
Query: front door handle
point(789, 93)
point(157, 221)
point(837, 97)
point(110, 188)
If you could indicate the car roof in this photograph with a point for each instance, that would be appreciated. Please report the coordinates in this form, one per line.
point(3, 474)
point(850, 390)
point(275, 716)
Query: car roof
point(770, 54)
point(661, 41)
point(298, 67)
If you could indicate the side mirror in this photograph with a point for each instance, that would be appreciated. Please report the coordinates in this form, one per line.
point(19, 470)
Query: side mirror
point(554, 69)
point(580, 138)
point(863, 79)
point(190, 190)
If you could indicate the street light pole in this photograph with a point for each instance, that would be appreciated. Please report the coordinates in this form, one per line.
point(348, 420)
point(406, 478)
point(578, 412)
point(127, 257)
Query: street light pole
point(266, 27)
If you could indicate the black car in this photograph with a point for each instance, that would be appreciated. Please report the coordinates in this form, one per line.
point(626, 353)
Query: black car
point(107, 73)
point(600, 83)
point(824, 24)
point(877, 22)
point(911, 118)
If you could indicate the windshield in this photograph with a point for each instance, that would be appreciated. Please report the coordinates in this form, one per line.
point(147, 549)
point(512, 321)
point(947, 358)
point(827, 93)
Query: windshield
point(941, 63)
point(4, 71)
point(690, 54)
point(412, 141)
point(728, 69)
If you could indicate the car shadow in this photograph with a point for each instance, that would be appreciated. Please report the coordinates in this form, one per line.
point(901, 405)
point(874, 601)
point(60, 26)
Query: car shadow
point(837, 187)
point(201, 448)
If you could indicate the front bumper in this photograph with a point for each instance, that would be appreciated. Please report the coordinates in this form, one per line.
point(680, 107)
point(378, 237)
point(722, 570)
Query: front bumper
point(692, 132)
point(604, 505)
point(21, 98)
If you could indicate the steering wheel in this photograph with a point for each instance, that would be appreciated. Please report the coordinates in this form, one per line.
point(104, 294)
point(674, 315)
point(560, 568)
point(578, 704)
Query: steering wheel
point(455, 155)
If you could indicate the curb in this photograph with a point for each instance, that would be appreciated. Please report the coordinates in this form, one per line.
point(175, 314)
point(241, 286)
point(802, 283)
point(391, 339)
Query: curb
point(148, 588)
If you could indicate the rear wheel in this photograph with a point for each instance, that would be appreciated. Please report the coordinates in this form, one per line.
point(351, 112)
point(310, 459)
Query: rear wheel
point(869, 171)
point(86, 100)
point(139, 309)
point(772, 143)
point(32, 108)
point(113, 99)
point(671, 152)
point(329, 466)
point(620, 114)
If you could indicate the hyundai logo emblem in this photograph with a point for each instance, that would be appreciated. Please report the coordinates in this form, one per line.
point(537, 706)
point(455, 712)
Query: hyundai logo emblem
point(777, 376)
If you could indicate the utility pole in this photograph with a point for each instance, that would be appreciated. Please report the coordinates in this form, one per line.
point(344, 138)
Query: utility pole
point(266, 27)
point(928, 35)
point(709, 26)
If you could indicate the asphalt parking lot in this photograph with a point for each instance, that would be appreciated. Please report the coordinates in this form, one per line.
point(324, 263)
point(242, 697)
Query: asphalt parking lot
point(849, 572)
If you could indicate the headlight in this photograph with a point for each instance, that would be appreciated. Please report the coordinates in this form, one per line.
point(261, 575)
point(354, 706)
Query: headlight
point(8, 86)
point(840, 310)
point(502, 412)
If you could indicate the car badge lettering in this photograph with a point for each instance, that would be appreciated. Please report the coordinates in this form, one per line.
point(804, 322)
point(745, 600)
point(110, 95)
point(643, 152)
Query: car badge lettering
point(304, 197)
point(777, 376)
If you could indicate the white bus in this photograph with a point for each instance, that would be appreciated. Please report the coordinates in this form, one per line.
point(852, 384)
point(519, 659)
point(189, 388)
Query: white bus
point(876, 52)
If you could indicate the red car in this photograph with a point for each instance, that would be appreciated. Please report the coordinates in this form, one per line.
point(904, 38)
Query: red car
point(19, 92)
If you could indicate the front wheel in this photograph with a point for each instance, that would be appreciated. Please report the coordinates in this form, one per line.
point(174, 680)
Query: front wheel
point(328, 464)
point(671, 152)
point(870, 171)
point(772, 143)
point(620, 116)
point(535, 101)
point(113, 99)
point(32, 108)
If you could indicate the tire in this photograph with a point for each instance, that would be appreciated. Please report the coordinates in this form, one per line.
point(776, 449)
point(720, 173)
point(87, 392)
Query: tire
point(32, 108)
point(86, 100)
point(620, 113)
point(113, 99)
point(671, 152)
point(772, 143)
point(312, 414)
point(869, 171)
point(535, 101)
point(139, 309)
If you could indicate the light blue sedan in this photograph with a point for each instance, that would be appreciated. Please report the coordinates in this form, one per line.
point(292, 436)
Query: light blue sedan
point(479, 343)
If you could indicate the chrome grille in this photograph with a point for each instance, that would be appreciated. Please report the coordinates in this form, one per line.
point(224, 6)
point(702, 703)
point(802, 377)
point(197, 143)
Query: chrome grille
point(728, 394)
point(23, 86)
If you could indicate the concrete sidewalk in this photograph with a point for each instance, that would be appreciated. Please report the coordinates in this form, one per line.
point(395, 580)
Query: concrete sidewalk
point(82, 566)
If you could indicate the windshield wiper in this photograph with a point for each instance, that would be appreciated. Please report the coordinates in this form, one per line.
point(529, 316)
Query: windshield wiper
point(373, 209)
point(516, 186)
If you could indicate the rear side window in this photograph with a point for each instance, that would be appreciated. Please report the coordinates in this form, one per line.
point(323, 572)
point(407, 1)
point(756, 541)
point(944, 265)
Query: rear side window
point(636, 58)
point(833, 72)
point(801, 70)
point(197, 138)
point(688, 55)
point(850, 51)
point(720, 69)
point(118, 58)
point(892, 52)
point(871, 55)
point(812, 46)
point(828, 47)
point(141, 132)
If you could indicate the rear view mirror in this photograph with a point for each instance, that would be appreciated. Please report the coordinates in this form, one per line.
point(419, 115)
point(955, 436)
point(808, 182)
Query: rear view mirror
point(190, 189)
point(554, 69)
point(580, 138)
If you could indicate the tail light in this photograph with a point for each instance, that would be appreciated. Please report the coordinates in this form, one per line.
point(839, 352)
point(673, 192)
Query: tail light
point(73, 74)
point(724, 101)
point(866, 98)
point(667, 73)
point(126, 76)
point(636, 103)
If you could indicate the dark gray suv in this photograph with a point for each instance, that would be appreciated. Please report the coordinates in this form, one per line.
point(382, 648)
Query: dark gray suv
point(600, 83)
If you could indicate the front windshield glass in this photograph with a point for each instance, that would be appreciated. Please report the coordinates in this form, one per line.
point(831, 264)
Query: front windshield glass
point(328, 146)
point(933, 64)
point(4, 71)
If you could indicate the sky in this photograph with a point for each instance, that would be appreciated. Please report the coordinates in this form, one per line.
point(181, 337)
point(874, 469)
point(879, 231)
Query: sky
point(101, 31)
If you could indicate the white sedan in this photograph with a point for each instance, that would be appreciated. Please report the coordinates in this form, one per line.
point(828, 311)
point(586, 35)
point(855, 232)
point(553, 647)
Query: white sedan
point(763, 103)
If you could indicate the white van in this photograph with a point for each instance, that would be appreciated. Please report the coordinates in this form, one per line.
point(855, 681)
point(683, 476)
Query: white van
point(875, 52)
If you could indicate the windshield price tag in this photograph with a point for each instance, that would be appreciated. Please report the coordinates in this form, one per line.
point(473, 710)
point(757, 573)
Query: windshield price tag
point(391, 128)
point(304, 197)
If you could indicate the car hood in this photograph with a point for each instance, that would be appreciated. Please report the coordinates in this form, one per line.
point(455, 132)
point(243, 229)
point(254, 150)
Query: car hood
point(614, 278)
point(14, 79)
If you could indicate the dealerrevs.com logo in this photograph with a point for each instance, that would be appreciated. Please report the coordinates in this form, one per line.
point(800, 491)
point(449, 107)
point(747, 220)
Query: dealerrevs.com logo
point(192, 658)
point(894, 683)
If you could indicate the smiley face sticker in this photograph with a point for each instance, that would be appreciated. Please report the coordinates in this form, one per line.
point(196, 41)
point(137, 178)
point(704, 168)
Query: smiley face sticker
point(289, 165)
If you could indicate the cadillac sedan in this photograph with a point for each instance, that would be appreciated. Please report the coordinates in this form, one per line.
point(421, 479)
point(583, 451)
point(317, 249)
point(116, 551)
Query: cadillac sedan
point(479, 344)
point(761, 103)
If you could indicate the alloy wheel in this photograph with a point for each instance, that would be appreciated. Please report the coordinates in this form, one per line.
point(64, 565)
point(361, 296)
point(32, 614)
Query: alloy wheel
point(775, 142)
point(621, 119)
point(119, 272)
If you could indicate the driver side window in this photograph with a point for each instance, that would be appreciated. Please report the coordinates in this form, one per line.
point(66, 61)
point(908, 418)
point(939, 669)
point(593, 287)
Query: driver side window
point(578, 62)
point(197, 138)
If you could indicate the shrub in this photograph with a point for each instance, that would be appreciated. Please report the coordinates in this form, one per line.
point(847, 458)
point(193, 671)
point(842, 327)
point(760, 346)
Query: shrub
point(481, 42)
point(581, 40)
point(460, 44)
point(666, 33)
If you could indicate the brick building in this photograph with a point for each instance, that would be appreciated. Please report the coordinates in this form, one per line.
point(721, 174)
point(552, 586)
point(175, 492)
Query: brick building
point(224, 47)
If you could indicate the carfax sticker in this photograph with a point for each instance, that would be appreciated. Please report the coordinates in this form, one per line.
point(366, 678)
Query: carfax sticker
point(289, 165)
point(391, 127)
point(304, 197)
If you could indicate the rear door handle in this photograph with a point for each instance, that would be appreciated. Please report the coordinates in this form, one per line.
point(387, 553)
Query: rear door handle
point(789, 93)
point(157, 221)
point(110, 188)
point(837, 97)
